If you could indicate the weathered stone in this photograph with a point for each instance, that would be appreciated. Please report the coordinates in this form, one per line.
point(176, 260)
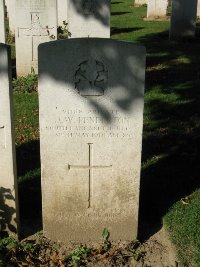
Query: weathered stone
point(91, 116)
point(62, 12)
point(9, 219)
point(10, 4)
point(2, 22)
point(183, 19)
point(36, 23)
point(89, 18)
point(157, 8)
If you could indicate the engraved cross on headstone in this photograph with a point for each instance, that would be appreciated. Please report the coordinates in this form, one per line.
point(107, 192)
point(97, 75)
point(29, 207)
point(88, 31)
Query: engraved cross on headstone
point(90, 168)
point(34, 31)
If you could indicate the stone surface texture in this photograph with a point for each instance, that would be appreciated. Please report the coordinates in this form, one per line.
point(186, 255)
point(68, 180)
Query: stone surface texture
point(62, 11)
point(10, 4)
point(157, 8)
point(91, 94)
point(89, 18)
point(183, 19)
point(2, 22)
point(36, 23)
point(8, 179)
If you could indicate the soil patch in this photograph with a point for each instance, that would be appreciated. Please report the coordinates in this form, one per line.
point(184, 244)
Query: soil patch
point(37, 250)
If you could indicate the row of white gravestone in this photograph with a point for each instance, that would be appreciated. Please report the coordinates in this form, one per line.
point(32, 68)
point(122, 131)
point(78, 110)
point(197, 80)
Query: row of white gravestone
point(183, 16)
point(37, 23)
point(91, 94)
point(157, 8)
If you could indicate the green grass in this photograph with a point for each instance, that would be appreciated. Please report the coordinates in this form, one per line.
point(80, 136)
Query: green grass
point(171, 138)
point(182, 221)
point(26, 117)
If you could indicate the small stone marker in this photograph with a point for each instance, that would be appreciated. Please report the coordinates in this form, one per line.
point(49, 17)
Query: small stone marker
point(2, 22)
point(89, 18)
point(8, 179)
point(157, 8)
point(10, 4)
point(91, 115)
point(140, 2)
point(62, 6)
point(183, 19)
point(36, 22)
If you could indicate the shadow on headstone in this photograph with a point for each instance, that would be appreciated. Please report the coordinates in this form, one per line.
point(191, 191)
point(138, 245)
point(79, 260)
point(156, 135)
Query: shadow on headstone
point(113, 57)
point(6, 212)
point(97, 8)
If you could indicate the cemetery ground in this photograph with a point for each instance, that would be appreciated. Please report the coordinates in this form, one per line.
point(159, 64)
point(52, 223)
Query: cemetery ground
point(169, 191)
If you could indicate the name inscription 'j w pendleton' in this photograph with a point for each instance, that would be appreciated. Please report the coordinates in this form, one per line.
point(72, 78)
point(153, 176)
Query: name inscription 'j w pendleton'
point(76, 123)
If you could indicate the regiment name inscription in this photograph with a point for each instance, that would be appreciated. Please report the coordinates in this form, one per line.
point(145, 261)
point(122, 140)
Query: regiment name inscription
point(79, 123)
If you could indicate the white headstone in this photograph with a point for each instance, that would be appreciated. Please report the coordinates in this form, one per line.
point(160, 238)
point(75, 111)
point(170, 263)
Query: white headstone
point(2, 22)
point(62, 11)
point(89, 18)
point(198, 9)
point(10, 4)
point(140, 2)
point(8, 179)
point(157, 8)
point(183, 18)
point(91, 94)
point(36, 22)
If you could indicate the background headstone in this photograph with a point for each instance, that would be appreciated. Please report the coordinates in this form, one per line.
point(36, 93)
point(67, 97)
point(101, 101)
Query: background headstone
point(8, 179)
point(10, 4)
point(183, 18)
point(198, 9)
point(157, 8)
point(36, 22)
point(89, 18)
point(140, 2)
point(91, 116)
point(62, 11)
point(2, 22)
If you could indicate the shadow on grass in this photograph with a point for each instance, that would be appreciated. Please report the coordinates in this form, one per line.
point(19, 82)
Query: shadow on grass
point(115, 30)
point(14, 74)
point(119, 13)
point(28, 157)
point(30, 203)
point(171, 142)
point(116, 3)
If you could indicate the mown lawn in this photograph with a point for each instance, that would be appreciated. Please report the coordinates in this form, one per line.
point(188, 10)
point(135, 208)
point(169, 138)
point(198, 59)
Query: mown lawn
point(171, 139)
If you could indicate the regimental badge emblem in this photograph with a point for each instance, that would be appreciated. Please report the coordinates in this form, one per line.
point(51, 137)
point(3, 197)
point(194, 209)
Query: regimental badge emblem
point(91, 78)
